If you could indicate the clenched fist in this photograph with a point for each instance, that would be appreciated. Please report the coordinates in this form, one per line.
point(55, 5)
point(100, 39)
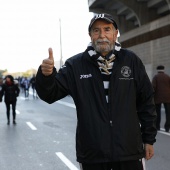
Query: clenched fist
point(48, 64)
point(149, 151)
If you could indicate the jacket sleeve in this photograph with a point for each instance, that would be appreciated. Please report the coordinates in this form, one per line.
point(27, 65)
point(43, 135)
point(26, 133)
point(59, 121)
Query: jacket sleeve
point(49, 88)
point(0, 96)
point(154, 82)
point(146, 106)
point(17, 90)
point(2, 91)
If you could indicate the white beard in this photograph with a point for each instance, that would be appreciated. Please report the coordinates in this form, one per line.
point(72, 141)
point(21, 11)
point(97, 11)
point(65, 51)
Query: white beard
point(103, 48)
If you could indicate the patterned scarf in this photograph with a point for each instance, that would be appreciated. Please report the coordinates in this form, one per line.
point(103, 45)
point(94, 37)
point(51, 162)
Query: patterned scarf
point(105, 65)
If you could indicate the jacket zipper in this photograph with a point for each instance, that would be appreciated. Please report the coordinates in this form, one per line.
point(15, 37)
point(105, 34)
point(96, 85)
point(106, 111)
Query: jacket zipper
point(111, 123)
point(110, 113)
point(108, 108)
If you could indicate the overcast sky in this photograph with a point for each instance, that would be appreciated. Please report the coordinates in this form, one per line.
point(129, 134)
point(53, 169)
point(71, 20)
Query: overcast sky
point(29, 27)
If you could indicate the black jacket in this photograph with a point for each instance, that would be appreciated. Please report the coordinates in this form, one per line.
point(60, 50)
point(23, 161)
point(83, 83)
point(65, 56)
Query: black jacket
point(10, 92)
point(113, 131)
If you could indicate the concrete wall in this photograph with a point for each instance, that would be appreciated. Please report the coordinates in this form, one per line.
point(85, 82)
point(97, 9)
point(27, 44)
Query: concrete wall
point(155, 51)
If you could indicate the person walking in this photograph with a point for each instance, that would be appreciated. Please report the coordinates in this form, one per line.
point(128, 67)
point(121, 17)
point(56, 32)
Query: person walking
point(10, 91)
point(161, 85)
point(32, 83)
point(1, 82)
point(116, 117)
point(26, 85)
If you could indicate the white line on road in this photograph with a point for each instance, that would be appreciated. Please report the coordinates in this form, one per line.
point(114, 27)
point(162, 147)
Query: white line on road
point(66, 104)
point(31, 126)
point(163, 132)
point(66, 161)
point(22, 98)
point(17, 112)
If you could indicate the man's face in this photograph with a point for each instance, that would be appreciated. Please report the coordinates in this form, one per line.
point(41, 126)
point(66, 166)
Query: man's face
point(103, 36)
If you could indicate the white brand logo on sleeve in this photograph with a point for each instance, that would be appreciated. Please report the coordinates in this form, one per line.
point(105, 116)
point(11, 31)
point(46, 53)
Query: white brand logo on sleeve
point(85, 76)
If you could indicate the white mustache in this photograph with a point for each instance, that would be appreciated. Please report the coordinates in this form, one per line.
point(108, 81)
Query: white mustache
point(102, 40)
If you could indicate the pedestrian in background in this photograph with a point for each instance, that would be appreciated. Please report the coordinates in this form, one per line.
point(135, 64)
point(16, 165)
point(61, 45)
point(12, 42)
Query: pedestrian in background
point(1, 82)
point(10, 91)
point(32, 83)
point(26, 85)
point(161, 85)
point(113, 95)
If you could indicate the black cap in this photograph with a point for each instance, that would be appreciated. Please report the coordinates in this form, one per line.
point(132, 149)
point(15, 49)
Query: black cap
point(104, 16)
point(160, 67)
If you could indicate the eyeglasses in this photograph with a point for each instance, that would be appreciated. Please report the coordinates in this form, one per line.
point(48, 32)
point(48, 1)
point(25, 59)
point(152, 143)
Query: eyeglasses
point(97, 31)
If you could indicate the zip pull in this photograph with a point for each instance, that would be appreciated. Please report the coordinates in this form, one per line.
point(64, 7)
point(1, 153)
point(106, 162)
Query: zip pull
point(111, 123)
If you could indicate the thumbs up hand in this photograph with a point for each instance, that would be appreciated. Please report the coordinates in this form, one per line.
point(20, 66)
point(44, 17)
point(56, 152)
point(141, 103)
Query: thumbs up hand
point(48, 64)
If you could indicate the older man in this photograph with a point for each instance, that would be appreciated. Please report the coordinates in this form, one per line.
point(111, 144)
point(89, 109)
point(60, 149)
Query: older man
point(113, 96)
point(161, 85)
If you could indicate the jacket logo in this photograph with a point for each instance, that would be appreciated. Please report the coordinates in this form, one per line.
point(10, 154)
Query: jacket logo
point(85, 76)
point(126, 71)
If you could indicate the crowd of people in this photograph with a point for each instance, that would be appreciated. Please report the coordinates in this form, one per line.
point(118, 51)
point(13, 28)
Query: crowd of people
point(11, 88)
point(25, 83)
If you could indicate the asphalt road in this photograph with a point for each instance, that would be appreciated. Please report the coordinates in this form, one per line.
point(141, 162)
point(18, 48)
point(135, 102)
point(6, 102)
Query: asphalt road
point(44, 138)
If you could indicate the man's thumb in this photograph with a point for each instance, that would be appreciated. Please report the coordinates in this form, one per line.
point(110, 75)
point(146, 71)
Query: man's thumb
point(50, 53)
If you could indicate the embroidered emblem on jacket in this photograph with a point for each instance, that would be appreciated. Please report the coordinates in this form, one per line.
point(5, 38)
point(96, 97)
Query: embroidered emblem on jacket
point(126, 71)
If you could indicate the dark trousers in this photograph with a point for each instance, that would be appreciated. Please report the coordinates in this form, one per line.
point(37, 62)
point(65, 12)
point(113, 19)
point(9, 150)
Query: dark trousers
point(124, 165)
point(167, 113)
point(34, 92)
point(8, 109)
point(26, 91)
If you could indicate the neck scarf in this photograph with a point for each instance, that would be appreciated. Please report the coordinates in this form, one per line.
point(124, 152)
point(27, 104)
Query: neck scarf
point(9, 83)
point(105, 63)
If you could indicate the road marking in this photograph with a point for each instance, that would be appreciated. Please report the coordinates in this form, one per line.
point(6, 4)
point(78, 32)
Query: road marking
point(23, 98)
point(17, 112)
point(163, 132)
point(31, 126)
point(66, 161)
point(66, 104)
